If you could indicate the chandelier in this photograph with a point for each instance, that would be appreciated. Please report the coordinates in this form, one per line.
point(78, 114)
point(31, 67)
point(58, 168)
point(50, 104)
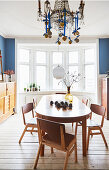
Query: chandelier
point(62, 19)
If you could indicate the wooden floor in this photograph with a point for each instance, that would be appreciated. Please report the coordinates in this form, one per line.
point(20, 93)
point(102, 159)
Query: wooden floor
point(15, 156)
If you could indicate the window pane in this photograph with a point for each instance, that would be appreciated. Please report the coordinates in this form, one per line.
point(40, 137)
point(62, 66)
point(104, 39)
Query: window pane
point(90, 77)
point(57, 57)
point(24, 55)
point(24, 80)
point(41, 76)
point(73, 57)
point(73, 69)
point(56, 84)
point(89, 56)
point(40, 57)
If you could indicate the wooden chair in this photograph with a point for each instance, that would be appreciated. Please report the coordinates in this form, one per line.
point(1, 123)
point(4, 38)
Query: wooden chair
point(34, 102)
point(32, 123)
point(55, 137)
point(34, 106)
point(93, 126)
point(84, 101)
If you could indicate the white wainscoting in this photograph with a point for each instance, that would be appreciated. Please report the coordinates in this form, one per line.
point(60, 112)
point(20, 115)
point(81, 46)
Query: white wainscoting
point(26, 97)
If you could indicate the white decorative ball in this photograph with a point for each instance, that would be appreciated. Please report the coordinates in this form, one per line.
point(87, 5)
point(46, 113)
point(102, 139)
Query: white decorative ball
point(58, 72)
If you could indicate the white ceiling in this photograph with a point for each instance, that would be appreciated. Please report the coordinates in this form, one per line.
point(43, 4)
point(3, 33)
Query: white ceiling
point(19, 18)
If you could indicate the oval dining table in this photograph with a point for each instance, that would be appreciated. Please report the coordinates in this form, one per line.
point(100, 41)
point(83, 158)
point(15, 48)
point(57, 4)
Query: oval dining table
point(79, 112)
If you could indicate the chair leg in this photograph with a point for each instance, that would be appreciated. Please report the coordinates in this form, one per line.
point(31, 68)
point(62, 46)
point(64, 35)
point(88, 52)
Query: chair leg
point(32, 129)
point(91, 134)
point(103, 138)
point(90, 116)
point(72, 125)
point(76, 152)
point(88, 139)
point(66, 160)
point(37, 158)
point(23, 134)
point(51, 150)
point(76, 128)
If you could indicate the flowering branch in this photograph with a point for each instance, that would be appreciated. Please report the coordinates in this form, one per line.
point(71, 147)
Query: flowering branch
point(9, 72)
point(69, 79)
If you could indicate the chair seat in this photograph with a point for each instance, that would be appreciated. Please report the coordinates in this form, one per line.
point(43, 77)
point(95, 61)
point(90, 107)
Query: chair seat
point(32, 121)
point(90, 123)
point(68, 139)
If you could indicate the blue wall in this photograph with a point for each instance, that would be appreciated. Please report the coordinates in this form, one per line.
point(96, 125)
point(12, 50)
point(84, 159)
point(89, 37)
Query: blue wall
point(2, 48)
point(7, 46)
point(103, 55)
point(9, 54)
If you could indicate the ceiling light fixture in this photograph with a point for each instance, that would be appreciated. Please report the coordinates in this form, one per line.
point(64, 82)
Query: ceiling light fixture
point(62, 19)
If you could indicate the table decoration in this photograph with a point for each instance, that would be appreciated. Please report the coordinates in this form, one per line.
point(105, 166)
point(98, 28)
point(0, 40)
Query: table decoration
point(68, 81)
point(64, 105)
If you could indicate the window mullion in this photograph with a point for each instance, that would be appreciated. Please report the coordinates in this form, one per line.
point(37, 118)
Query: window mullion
point(31, 64)
point(50, 70)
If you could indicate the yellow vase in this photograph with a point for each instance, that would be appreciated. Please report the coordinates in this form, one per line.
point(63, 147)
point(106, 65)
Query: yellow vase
point(68, 96)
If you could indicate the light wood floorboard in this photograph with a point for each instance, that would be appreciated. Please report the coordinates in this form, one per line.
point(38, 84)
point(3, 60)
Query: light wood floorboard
point(15, 156)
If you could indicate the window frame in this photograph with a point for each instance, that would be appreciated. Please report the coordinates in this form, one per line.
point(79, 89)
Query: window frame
point(54, 65)
point(40, 64)
point(91, 64)
point(49, 62)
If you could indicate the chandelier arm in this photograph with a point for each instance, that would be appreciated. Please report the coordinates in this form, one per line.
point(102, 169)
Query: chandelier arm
point(39, 6)
point(75, 23)
point(77, 20)
point(64, 21)
point(46, 23)
point(49, 21)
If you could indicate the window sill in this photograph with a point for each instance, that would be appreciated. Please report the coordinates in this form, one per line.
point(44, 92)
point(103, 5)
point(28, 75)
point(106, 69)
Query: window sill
point(53, 92)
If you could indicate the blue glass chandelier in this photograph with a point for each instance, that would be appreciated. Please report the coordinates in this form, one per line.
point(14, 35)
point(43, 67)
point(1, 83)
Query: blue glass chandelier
point(62, 19)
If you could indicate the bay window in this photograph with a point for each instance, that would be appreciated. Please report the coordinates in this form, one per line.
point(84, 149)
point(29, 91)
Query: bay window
point(35, 65)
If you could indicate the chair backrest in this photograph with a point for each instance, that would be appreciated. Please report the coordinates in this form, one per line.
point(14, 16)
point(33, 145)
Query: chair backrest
point(85, 101)
point(99, 110)
point(34, 105)
point(26, 109)
point(34, 102)
point(54, 130)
